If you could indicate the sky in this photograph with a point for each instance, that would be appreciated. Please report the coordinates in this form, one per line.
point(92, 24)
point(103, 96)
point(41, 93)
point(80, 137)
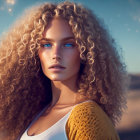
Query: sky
point(121, 17)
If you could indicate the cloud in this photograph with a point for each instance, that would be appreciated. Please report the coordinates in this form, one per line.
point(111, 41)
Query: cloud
point(12, 2)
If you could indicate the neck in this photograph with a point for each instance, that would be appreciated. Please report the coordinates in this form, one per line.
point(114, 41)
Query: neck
point(65, 92)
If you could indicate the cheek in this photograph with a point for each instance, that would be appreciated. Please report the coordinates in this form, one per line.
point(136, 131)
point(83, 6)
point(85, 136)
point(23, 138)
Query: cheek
point(40, 52)
point(42, 55)
point(75, 60)
point(43, 58)
point(76, 57)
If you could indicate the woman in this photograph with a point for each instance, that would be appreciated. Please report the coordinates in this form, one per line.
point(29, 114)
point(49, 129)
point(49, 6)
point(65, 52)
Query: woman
point(60, 77)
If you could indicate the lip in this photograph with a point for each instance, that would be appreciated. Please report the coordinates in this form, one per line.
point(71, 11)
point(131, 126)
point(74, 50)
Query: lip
point(56, 67)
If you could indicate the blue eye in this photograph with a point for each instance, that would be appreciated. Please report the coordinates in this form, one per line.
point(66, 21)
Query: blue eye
point(47, 45)
point(69, 45)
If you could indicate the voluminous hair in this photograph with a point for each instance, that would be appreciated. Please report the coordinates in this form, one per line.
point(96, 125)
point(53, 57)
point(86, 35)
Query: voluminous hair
point(24, 89)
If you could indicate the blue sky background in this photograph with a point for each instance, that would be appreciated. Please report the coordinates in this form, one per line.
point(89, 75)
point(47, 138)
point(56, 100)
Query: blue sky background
point(122, 18)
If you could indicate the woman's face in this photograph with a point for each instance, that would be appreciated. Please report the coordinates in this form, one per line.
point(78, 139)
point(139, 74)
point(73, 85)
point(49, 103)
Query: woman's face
point(59, 55)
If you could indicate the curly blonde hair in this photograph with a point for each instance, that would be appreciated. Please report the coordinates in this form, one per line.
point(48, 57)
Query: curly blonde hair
point(24, 89)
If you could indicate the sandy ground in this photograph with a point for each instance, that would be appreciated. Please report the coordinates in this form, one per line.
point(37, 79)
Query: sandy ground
point(131, 117)
point(129, 126)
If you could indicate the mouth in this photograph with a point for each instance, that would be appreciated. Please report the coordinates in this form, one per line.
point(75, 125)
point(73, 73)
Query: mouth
point(56, 66)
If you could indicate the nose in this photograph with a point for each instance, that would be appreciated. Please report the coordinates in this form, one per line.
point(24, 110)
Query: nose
point(56, 52)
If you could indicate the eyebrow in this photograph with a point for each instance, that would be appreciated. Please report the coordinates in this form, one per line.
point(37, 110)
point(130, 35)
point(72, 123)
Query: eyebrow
point(64, 39)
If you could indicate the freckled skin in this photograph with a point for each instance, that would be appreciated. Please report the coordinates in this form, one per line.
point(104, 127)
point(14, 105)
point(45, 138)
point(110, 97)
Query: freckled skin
point(69, 57)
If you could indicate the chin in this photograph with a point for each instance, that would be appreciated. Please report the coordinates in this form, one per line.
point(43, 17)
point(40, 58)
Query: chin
point(57, 78)
point(61, 77)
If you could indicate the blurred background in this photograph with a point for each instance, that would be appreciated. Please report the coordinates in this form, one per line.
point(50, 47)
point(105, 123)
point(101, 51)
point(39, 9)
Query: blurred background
point(122, 19)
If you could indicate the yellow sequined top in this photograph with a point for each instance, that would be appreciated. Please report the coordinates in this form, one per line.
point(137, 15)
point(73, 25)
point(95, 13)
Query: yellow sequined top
point(89, 122)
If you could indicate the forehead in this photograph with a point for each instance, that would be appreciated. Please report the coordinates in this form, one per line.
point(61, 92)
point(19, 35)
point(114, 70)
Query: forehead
point(58, 28)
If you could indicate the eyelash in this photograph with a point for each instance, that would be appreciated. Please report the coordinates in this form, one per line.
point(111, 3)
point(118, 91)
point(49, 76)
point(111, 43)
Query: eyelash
point(45, 45)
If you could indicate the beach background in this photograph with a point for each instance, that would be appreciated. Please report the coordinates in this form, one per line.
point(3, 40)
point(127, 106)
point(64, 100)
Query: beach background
point(129, 126)
point(122, 19)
